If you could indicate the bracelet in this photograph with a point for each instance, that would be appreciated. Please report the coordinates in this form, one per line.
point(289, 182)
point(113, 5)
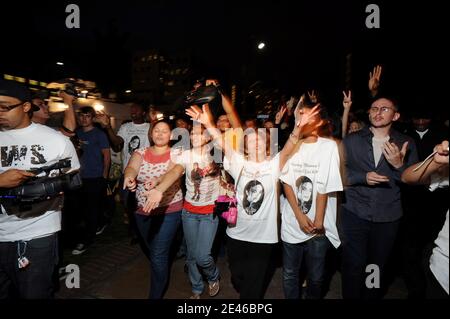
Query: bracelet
point(294, 138)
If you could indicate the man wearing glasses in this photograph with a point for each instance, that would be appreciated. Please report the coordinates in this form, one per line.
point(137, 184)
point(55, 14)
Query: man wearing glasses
point(28, 242)
point(375, 158)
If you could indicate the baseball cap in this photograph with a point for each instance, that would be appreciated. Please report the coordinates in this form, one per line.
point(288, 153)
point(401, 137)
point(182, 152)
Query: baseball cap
point(18, 91)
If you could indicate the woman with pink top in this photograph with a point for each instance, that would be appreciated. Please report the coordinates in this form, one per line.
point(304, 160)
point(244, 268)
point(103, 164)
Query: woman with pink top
point(158, 226)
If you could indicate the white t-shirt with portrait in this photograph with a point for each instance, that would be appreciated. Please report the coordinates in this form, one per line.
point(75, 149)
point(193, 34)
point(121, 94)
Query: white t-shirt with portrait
point(311, 170)
point(439, 259)
point(135, 136)
point(257, 199)
point(202, 177)
point(32, 147)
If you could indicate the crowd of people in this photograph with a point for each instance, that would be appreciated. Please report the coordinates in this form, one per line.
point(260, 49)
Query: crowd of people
point(306, 181)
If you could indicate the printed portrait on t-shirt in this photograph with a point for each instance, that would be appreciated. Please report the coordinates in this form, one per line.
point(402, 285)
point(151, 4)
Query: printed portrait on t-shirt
point(253, 197)
point(198, 174)
point(304, 193)
point(134, 144)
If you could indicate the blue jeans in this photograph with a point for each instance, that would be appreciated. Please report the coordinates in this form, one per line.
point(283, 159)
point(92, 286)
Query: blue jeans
point(158, 233)
point(199, 232)
point(314, 252)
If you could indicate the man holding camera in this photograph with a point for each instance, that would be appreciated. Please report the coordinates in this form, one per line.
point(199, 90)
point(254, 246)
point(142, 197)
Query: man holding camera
point(28, 241)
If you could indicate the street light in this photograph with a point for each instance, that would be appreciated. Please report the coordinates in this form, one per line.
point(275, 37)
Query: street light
point(261, 45)
point(128, 91)
point(59, 63)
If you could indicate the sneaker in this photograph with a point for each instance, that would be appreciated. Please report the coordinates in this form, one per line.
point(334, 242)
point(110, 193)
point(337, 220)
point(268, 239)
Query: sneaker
point(79, 249)
point(100, 230)
point(195, 296)
point(214, 288)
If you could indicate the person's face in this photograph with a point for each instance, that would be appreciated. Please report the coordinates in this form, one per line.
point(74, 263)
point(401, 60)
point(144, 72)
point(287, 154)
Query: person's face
point(354, 127)
point(42, 115)
point(137, 113)
point(256, 145)
point(310, 127)
point(223, 123)
point(161, 134)
point(254, 193)
point(305, 192)
point(250, 124)
point(269, 125)
point(382, 113)
point(134, 143)
point(85, 119)
point(16, 117)
point(198, 139)
point(421, 124)
point(180, 123)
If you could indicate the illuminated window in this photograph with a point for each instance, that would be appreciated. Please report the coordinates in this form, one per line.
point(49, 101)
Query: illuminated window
point(43, 84)
point(33, 82)
point(8, 77)
point(19, 79)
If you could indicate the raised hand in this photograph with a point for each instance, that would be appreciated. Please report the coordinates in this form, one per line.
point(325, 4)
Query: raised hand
point(394, 155)
point(347, 101)
point(280, 114)
point(306, 116)
point(204, 115)
point(67, 98)
point(374, 79)
point(103, 119)
point(312, 96)
point(441, 156)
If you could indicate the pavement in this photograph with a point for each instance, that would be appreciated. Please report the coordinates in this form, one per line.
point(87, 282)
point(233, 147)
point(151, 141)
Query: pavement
point(115, 268)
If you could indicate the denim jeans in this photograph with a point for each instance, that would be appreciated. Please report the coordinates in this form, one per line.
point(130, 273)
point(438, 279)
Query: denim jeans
point(35, 281)
point(364, 243)
point(313, 252)
point(199, 232)
point(158, 233)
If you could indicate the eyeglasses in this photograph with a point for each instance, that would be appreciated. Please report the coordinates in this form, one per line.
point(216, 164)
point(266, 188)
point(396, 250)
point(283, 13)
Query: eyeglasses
point(4, 108)
point(376, 109)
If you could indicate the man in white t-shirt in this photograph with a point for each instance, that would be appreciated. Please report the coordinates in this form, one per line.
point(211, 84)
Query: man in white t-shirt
point(435, 173)
point(311, 179)
point(28, 241)
point(130, 137)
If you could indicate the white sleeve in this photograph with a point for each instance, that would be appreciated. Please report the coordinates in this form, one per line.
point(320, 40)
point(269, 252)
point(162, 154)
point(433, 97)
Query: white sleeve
point(329, 176)
point(287, 174)
point(69, 152)
point(438, 181)
point(121, 131)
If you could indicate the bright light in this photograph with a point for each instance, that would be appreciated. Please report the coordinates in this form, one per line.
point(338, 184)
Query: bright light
point(59, 63)
point(261, 45)
point(98, 107)
point(159, 116)
point(128, 91)
point(85, 91)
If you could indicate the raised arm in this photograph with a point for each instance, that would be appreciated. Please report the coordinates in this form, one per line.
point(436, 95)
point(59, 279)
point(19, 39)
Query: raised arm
point(228, 106)
point(70, 120)
point(347, 104)
point(374, 80)
point(116, 141)
point(306, 118)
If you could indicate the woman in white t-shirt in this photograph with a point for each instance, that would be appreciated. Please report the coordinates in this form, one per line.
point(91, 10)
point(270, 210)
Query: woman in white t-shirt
point(158, 226)
point(199, 222)
point(252, 239)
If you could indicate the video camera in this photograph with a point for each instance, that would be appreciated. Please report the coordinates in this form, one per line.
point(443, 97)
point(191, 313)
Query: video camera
point(19, 201)
point(69, 86)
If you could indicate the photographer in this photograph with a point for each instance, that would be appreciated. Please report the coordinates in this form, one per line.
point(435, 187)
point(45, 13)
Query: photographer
point(28, 245)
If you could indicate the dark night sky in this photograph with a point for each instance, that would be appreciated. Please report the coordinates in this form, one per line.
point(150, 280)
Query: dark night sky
point(306, 41)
